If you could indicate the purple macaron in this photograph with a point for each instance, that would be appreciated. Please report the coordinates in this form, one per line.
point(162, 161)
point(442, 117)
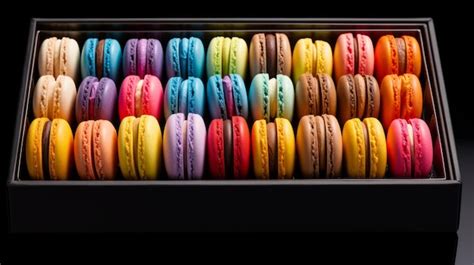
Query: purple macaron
point(184, 146)
point(96, 99)
point(142, 57)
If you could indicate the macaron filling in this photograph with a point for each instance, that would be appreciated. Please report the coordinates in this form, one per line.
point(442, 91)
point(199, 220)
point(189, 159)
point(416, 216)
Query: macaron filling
point(271, 54)
point(45, 149)
point(228, 147)
point(402, 56)
point(99, 58)
point(92, 96)
point(138, 98)
point(356, 53)
point(370, 105)
point(272, 148)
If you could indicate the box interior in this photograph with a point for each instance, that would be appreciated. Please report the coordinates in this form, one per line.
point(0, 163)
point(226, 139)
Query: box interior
point(434, 107)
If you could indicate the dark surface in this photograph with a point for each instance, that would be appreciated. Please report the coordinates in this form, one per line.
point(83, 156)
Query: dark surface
point(441, 248)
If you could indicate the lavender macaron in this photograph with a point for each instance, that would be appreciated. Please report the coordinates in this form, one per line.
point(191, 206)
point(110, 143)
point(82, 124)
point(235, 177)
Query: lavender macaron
point(96, 99)
point(142, 57)
point(184, 146)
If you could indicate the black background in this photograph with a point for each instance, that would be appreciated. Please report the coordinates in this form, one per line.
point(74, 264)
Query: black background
point(456, 53)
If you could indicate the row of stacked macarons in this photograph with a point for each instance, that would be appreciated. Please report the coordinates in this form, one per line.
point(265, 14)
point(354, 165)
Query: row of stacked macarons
point(268, 53)
point(355, 96)
point(319, 149)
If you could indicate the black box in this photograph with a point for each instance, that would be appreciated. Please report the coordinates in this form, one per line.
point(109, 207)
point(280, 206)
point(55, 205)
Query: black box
point(431, 204)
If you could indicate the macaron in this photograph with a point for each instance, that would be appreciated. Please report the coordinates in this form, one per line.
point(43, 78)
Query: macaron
point(59, 56)
point(184, 146)
point(319, 146)
point(140, 97)
point(139, 147)
point(409, 148)
point(353, 55)
point(54, 98)
point(227, 56)
point(270, 53)
point(400, 97)
point(315, 95)
point(311, 57)
point(227, 96)
point(101, 58)
point(271, 98)
point(96, 99)
point(185, 58)
point(228, 148)
point(273, 149)
point(142, 57)
point(95, 150)
point(49, 149)
point(358, 96)
point(365, 148)
point(184, 96)
point(397, 56)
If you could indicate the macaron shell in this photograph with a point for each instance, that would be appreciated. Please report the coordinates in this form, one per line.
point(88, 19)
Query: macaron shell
point(399, 149)
point(354, 148)
point(328, 94)
point(183, 57)
point(215, 149)
point(423, 147)
point(238, 57)
point(334, 149)
point(149, 146)
point(88, 67)
point(126, 147)
point(386, 57)
point(126, 100)
point(154, 55)
point(239, 95)
point(69, 58)
point(83, 150)
point(372, 107)
point(82, 98)
point(366, 55)
point(63, 101)
point(286, 148)
point(34, 154)
point(259, 97)
point(112, 59)
point(214, 56)
point(216, 98)
point(361, 95)
point(42, 95)
point(284, 60)
point(344, 57)
point(46, 57)
point(378, 148)
point(141, 59)
point(171, 96)
point(257, 55)
point(105, 100)
point(61, 150)
point(129, 60)
point(413, 55)
point(196, 146)
point(411, 97)
point(324, 58)
point(241, 147)
point(174, 146)
point(152, 96)
point(302, 58)
point(285, 96)
point(260, 150)
point(196, 58)
point(390, 100)
point(105, 149)
point(195, 96)
point(172, 58)
point(346, 98)
point(307, 146)
point(307, 95)
point(226, 50)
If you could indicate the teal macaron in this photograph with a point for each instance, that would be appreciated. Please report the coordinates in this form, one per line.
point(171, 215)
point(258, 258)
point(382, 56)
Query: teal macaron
point(185, 58)
point(227, 97)
point(271, 98)
point(184, 96)
point(101, 58)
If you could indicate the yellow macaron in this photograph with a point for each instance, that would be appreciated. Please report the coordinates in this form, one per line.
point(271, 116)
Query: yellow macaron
point(309, 57)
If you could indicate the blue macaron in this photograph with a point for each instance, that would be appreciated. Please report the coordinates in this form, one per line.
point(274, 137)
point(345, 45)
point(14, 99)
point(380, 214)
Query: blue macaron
point(101, 58)
point(227, 96)
point(185, 57)
point(184, 96)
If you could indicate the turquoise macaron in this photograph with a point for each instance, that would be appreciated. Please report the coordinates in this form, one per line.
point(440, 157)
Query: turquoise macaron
point(184, 96)
point(101, 58)
point(227, 96)
point(271, 98)
point(185, 57)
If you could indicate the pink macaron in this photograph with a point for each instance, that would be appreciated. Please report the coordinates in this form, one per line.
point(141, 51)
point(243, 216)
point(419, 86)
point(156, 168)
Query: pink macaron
point(140, 97)
point(353, 55)
point(409, 148)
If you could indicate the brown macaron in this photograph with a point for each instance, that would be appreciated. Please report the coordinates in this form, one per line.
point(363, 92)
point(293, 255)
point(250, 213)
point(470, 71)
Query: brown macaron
point(358, 96)
point(315, 95)
point(319, 146)
point(270, 53)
